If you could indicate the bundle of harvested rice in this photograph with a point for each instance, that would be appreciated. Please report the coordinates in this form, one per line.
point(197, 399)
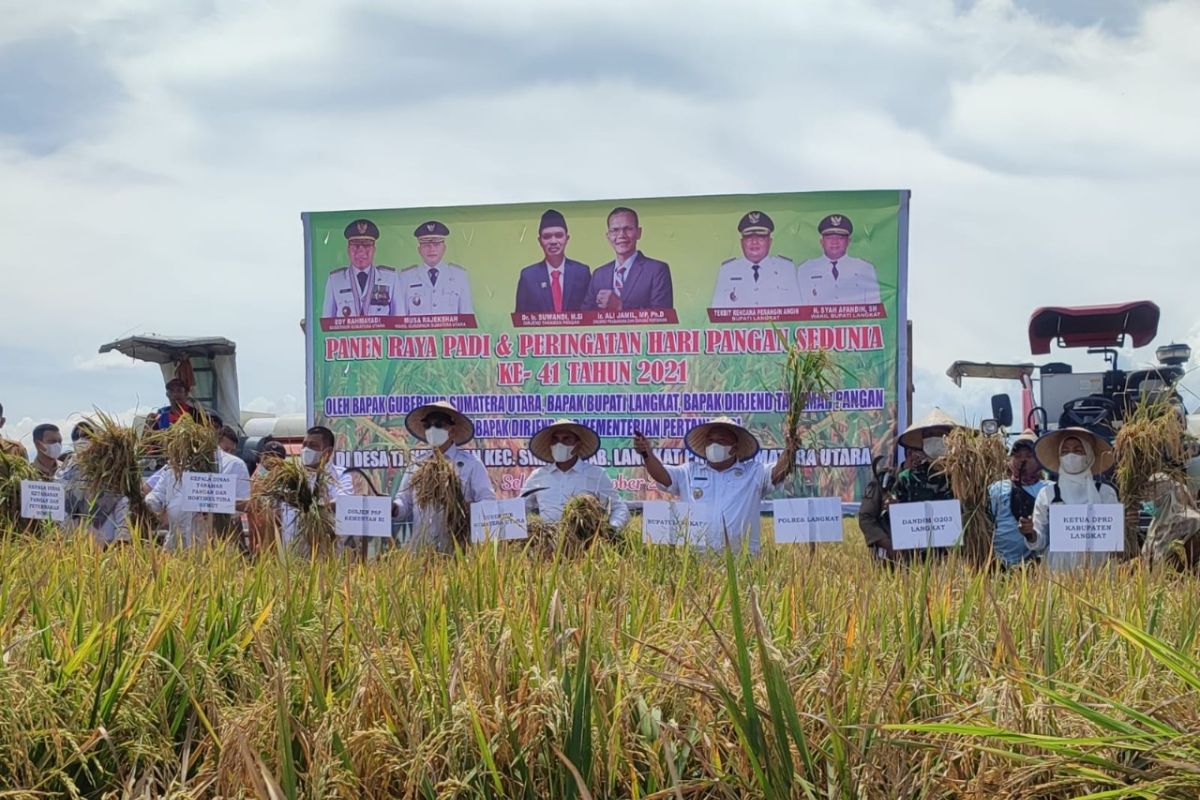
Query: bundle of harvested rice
point(585, 519)
point(541, 535)
point(806, 373)
point(14, 468)
point(12, 448)
point(111, 462)
point(188, 445)
point(437, 488)
point(288, 483)
point(1152, 442)
point(972, 463)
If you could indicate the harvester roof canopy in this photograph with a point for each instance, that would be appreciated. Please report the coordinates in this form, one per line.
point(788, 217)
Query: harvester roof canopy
point(169, 350)
point(985, 369)
point(1093, 326)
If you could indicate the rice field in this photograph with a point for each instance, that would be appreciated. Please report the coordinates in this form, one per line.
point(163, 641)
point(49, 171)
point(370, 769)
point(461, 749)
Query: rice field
point(625, 671)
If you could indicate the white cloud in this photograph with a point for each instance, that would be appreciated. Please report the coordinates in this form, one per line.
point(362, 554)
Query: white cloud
point(105, 361)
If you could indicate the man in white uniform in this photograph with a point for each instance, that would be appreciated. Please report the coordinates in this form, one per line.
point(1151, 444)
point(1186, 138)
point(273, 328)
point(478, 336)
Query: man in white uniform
point(837, 278)
point(188, 528)
point(317, 456)
point(726, 484)
point(758, 278)
point(362, 289)
point(565, 444)
point(442, 427)
point(434, 286)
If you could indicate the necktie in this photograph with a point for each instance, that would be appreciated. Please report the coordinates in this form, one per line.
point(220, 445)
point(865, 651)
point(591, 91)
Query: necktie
point(755, 268)
point(619, 281)
point(556, 290)
point(362, 280)
point(433, 276)
point(835, 270)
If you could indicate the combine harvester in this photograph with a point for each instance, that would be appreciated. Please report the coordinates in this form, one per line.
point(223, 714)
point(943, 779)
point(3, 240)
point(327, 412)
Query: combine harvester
point(1054, 395)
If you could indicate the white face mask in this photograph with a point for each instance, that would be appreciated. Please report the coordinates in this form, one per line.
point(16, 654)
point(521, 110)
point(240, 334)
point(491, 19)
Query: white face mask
point(310, 457)
point(81, 445)
point(437, 436)
point(934, 447)
point(53, 450)
point(716, 453)
point(1073, 463)
point(561, 452)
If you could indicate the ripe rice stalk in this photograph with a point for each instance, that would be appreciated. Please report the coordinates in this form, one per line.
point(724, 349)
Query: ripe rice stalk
point(585, 519)
point(290, 484)
point(14, 468)
point(972, 463)
point(541, 535)
point(807, 375)
point(436, 486)
point(111, 463)
point(1152, 442)
point(188, 445)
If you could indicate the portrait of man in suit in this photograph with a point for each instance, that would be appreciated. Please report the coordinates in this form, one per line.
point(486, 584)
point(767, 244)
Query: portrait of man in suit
point(631, 280)
point(557, 283)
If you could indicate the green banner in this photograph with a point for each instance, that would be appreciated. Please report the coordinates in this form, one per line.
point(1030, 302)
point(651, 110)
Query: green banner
point(648, 315)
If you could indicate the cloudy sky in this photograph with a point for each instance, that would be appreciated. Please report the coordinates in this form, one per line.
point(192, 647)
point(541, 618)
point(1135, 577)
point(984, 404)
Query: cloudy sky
point(155, 156)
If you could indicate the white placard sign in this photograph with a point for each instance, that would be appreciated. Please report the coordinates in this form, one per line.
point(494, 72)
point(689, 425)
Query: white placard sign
point(43, 500)
point(209, 492)
point(675, 522)
point(935, 523)
point(1087, 528)
point(363, 515)
point(808, 519)
point(498, 519)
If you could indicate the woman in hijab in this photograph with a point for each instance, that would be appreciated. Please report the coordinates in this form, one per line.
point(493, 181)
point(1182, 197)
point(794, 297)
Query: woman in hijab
point(1079, 457)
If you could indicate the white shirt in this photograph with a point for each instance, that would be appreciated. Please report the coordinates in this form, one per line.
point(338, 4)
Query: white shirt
point(429, 525)
point(561, 269)
point(732, 498)
point(186, 528)
point(856, 283)
point(776, 284)
point(1041, 526)
point(420, 297)
point(558, 486)
point(339, 482)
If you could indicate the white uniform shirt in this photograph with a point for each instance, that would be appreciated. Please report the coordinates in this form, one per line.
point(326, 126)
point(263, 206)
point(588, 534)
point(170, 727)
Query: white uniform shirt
point(344, 297)
point(732, 498)
point(420, 297)
point(338, 483)
point(1041, 526)
point(429, 525)
point(856, 283)
point(776, 284)
point(561, 485)
point(183, 527)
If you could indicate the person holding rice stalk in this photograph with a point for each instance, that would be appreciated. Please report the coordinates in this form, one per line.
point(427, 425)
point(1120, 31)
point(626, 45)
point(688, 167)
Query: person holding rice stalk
point(565, 444)
point(166, 499)
point(1079, 457)
point(1011, 504)
point(726, 484)
point(437, 510)
point(106, 514)
point(316, 454)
